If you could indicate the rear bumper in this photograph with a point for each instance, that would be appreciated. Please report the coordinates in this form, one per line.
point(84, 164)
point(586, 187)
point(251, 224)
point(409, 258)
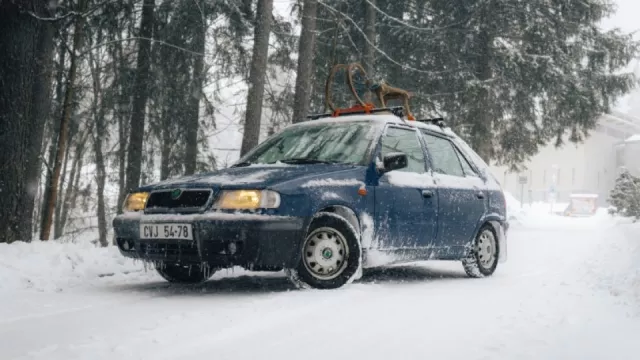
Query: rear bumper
point(260, 242)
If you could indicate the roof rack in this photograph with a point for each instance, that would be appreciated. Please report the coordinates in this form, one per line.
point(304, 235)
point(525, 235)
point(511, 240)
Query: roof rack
point(434, 121)
point(355, 110)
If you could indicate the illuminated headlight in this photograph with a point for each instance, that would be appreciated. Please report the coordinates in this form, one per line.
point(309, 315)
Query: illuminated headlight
point(135, 201)
point(248, 200)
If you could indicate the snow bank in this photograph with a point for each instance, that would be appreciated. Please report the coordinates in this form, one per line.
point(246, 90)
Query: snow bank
point(513, 205)
point(60, 265)
point(53, 265)
point(622, 276)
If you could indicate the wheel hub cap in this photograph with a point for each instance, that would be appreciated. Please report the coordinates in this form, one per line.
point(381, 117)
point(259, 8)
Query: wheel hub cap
point(486, 249)
point(325, 253)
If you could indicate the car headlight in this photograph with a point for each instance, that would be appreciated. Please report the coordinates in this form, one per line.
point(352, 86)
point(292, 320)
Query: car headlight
point(248, 200)
point(135, 201)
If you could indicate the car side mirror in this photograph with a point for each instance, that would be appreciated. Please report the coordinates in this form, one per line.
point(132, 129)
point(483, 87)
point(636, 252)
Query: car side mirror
point(395, 161)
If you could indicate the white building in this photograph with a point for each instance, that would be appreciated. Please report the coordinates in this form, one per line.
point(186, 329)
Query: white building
point(591, 166)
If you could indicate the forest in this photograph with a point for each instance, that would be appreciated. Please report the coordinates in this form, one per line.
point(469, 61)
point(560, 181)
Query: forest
point(100, 96)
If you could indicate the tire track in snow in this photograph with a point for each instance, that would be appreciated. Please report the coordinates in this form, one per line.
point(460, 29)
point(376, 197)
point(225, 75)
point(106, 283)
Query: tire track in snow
point(273, 315)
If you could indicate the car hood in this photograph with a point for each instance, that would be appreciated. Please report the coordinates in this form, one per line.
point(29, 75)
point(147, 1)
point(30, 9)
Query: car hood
point(254, 176)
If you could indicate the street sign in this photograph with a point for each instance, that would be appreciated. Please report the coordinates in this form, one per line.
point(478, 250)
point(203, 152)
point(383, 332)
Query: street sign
point(522, 179)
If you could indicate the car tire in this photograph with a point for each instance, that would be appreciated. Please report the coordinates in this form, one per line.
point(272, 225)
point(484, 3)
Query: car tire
point(483, 259)
point(184, 274)
point(331, 254)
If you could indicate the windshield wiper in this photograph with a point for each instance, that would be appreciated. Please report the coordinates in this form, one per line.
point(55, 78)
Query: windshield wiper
point(306, 161)
point(242, 164)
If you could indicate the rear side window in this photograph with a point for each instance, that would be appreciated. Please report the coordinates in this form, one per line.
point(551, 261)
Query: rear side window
point(405, 141)
point(444, 158)
point(466, 167)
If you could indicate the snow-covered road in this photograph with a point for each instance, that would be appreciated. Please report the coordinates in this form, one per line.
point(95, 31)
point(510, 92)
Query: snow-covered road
point(569, 290)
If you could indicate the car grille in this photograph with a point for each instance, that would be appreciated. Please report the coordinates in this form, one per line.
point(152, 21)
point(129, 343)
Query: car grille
point(169, 250)
point(190, 200)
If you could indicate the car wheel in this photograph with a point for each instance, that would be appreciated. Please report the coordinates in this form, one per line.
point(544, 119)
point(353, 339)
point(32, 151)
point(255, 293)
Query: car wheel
point(331, 254)
point(184, 274)
point(483, 259)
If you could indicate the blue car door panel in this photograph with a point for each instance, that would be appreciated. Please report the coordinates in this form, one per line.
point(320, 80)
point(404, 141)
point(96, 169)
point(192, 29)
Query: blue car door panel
point(462, 196)
point(406, 199)
point(462, 205)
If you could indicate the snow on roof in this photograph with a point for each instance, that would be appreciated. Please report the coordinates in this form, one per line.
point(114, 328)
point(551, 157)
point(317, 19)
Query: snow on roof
point(584, 195)
point(377, 118)
point(633, 138)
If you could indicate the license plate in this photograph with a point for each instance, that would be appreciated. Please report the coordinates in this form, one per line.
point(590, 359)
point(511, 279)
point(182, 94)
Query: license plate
point(166, 231)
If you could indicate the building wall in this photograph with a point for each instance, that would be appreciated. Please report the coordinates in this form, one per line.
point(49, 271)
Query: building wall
point(587, 167)
point(629, 156)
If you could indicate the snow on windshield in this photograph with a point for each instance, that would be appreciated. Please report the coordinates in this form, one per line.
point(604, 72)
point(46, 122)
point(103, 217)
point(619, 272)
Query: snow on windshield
point(221, 179)
point(339, 142)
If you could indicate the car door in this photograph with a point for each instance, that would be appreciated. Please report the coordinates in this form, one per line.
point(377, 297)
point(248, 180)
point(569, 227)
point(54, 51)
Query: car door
point(462, 196)
point(406, 199)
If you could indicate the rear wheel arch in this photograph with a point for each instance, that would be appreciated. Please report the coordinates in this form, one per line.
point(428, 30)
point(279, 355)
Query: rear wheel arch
point(492, 220)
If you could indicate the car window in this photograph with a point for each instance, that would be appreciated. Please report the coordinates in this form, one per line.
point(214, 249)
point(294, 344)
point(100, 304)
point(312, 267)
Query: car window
point(405, 141)
point(443, 155)
point(341, 143)
point(466, 167)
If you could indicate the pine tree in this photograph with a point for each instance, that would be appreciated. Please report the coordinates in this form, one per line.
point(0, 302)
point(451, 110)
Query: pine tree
point(625, 196)
point(509, 78)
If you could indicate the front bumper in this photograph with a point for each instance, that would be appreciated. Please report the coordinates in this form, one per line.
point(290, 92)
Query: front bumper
point(253, 241)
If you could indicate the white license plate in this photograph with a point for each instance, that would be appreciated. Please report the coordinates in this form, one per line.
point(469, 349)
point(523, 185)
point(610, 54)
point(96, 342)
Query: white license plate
point(166, 231)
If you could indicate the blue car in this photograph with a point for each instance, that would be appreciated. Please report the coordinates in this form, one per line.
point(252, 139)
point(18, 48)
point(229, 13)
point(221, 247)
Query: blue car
point(322, 200)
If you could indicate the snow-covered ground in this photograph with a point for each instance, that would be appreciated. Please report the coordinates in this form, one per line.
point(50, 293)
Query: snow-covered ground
point(569, 290)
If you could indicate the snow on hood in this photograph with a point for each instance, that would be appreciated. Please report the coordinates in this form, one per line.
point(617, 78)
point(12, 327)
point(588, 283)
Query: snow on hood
point(255, 175)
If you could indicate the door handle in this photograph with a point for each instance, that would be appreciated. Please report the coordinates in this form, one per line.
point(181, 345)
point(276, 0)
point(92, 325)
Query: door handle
point(427, 193)
point(480, 195)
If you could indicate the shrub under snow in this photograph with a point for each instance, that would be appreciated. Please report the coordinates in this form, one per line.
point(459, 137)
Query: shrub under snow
point(625, 196)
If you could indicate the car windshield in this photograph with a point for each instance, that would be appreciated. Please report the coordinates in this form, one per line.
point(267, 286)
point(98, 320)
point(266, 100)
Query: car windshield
point(344, 143)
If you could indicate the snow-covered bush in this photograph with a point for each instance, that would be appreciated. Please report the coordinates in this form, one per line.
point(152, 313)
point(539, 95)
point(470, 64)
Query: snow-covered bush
point(625, 196)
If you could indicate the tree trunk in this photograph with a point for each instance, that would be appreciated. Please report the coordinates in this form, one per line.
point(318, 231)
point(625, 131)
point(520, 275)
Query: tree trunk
point(140, 95)
point(57, 223)
point(370, 31)
point(64, 122)
point(73, 199)
point(191, 151)
point(26, 52)
point(122, 160)
point(55, 125)
point(100, 177)
point(41, 107)
point(306, 44)
point(166, 146)
point(122, 108)
point(72, 189)
point(481, 129)
point(257, 75)
point(98, 109)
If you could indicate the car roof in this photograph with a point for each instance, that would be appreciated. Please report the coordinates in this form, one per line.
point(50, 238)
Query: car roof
point(379, 119)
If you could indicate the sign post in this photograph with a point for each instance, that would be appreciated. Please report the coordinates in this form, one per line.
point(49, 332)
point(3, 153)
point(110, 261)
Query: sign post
point(522, 180)
point(552, 189)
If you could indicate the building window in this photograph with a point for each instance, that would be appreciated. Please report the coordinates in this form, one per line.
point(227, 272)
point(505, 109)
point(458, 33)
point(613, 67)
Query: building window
point(558, 178)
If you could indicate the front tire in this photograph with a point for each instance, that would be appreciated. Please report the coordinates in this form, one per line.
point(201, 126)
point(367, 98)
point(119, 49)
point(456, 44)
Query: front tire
point(483, 259)
point(330, 254)
point(183, 274)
